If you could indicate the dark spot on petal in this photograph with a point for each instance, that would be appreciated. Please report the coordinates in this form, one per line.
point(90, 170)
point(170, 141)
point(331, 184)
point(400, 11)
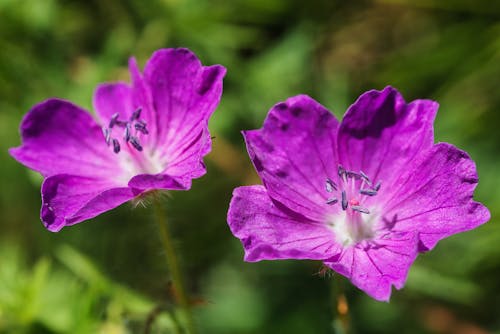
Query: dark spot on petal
point(208, 79)
point(247, 242)
point(257, 163)
point(296, 111)
point(422, 247)
point(370, 119)
point(281, 106)
point(281, 173)
point(284, 126)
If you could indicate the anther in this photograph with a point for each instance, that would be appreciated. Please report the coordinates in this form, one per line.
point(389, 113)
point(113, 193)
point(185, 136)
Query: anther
point(113, 120)
point(344, 200)
point(368, 192)
point(353, 175)
point(360, 209)
point(341, 171)
point(330, 185)
point(116, 146)
point(377, 186)
point(365, 177)
point(127, 132)
point(107, 134)
point(135, 143)
point(141, 126)
point(136, 114)
point(331, 201)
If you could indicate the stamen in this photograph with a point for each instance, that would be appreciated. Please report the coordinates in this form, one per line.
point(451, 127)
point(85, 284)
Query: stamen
point(344, 200)
point(365, 177)
point(377, 186)
point(116, 146)
point(330, 185)
point(141, 126)
point(113, 120)
point(353, 175)
point(341, 170)
point(121, 123)
point(360, 209)
point(107, 134)
point(135, 143)
point(331, 201)
point(127, 132)
point(136, 114)
point(368, 192)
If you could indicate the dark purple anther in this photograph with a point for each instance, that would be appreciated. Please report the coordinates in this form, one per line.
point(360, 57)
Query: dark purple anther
point(341, 171)
point(116, 146)
point(136, 114)
point(377, 186)
point(344, 200)
point(113, 120)
point(107, 134)
point(331, 201)
point(135, 143)
point(365, 177)
point(127, 132)
point(141, 126)
point(330, 185)
point(353, 175)
point(360, 209)
point(368, 192)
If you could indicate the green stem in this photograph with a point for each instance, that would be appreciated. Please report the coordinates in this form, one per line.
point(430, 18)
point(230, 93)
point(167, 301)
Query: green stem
point(340, 307)
point(173, 266)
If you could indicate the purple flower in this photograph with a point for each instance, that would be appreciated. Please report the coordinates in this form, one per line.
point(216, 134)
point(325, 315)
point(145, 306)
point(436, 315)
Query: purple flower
point(152, 134)
point(364, 196)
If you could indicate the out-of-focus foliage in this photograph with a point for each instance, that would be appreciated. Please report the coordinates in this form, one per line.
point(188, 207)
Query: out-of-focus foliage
point(446, 50)
point(71, 296)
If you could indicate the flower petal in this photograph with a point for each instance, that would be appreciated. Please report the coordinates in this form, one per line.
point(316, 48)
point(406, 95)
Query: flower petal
point(377, 265)
point(269, 231)
point(294, 154)
point(435, 196)
point(111, 98)
point(59, 137)
point(380, 134)
point(184, 94)
point(69, 199)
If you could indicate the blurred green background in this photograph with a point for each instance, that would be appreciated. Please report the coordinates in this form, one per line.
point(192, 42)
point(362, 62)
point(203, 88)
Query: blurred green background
point(108, 275)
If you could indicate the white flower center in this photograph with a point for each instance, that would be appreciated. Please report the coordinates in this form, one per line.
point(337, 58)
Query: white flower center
point(355, 222)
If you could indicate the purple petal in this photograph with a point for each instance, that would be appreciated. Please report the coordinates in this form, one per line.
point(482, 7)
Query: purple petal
point(112, 98)
point(376, 266)
point(185, 94)
point(268, 232)
point(59, 137)
point(380, 134)
point(68, 199)
point(141, 98)
point(434, 196)
point(294, 154)
point(147, 182)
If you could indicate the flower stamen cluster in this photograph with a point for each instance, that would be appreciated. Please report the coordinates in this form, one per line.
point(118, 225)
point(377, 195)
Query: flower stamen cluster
point(139, 125)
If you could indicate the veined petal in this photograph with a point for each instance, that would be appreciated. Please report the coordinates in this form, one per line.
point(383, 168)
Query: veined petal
point(435, 196)
point(184, 94)
point(69, 199)
point(376, 266)
point(294, 154)
point(381, 134)
point(269, 232)
point(59, 137)
point(112, 98)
